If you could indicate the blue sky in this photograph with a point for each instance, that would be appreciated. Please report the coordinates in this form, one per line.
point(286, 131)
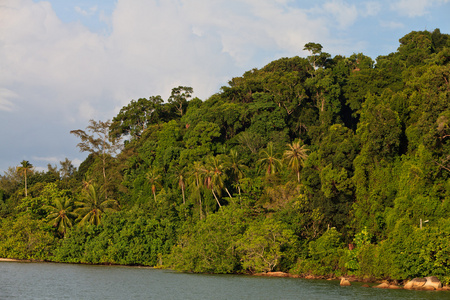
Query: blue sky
point(64, 62)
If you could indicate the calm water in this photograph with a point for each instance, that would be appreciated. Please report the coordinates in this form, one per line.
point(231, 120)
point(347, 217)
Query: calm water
point(61, 281)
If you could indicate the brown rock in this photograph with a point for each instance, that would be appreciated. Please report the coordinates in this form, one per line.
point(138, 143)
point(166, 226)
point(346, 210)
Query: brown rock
point(394, 287)
point(345, 282)
point(432, 281)
point(415, 283)
point(366, 285)
point(277, 274)
point(384, 285)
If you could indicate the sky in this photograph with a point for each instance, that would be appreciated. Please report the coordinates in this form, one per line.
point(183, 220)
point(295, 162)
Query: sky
point(64, 62)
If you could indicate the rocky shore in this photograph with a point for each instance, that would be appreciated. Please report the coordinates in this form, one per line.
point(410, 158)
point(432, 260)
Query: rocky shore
point(431, 283)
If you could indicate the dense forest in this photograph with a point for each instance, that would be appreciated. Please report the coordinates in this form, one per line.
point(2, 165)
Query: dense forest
point(322, 166)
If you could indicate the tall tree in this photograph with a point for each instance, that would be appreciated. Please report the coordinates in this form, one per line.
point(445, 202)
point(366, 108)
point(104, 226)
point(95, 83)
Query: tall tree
point(67, 169)
point(10, 180)
point(317, 58)
point(179, 97)
point(195, 179)
point(60, 214)
point(154, 177)
point(181, 180)
point(295, 156)
point(269, 160)
point(100, 143)
point(25, 168)
point(215, 176)
point(92, 205)
point(287, 90)
point(236, 167)
point(134, 118)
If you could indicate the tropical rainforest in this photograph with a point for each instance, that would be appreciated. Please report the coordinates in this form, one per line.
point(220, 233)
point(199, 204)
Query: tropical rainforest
point(319, 166)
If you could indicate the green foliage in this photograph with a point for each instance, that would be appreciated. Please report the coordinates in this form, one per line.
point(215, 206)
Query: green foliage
point(325, 256)
point(415, 252)
point(25, 238)
point(134, 118)
point(264, 244)
point(280, 170)
point(60, 214)
point(210, 246)
point(131, 238)
point(92, 205)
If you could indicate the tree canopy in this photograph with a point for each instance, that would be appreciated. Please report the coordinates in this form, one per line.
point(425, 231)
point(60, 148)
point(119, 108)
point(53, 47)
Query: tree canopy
point(281, 170)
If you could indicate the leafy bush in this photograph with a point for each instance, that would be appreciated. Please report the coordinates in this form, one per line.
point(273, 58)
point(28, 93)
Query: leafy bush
point(326, 256)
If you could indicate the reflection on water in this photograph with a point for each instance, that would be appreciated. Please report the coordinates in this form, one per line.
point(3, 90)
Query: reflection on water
point(64, 281)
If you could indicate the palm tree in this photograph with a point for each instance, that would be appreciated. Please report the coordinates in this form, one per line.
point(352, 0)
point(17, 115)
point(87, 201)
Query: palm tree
point(236, 168)
point(25, 168)
point(60, 214)
point(93, 205)
point(215, 176)
point(154, 178)
point(269, 160)
point(195, 180)
point(296, 156)
point(181, 177)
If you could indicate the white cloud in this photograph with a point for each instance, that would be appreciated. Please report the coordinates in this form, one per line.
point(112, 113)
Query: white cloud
point(371, 9)
point(392, 24)
point(344, 13)
point(153, 46)
point(51, 159)
point(5, 99)
point(86, 110)
point(415, 8)
point(86, 12)
point(76, 162)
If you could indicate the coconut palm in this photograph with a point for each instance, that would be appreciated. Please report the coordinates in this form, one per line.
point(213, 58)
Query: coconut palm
point(154, 177)
point(60, 214)
point(236, 168)
point(215, 176)
point(181, 178)
point(269, 160)
point(24, 169)
point(92, 205)
point(295, 157)
point(195, 180)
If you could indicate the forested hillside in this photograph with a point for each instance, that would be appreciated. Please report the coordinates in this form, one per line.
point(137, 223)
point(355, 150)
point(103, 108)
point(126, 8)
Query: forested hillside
point(321, 166)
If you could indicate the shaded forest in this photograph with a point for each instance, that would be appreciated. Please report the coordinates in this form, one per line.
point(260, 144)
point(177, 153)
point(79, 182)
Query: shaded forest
point(322, 166)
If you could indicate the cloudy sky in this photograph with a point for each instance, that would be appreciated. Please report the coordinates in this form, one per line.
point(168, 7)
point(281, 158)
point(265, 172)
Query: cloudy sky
point(63, 62)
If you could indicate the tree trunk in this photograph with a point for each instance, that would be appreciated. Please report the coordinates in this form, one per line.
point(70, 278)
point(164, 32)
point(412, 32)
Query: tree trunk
point(104, 175)
point(184, 199)
point(26, 192)
point(200, 199)
point(228, 193)
point(214, 194)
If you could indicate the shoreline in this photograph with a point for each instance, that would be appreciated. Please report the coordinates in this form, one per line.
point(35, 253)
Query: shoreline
point(14, 260)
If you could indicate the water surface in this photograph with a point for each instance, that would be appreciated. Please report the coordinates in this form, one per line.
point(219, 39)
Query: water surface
point(65, 281)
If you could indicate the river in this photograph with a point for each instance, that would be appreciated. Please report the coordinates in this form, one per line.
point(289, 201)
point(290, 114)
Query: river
point(65, 281)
